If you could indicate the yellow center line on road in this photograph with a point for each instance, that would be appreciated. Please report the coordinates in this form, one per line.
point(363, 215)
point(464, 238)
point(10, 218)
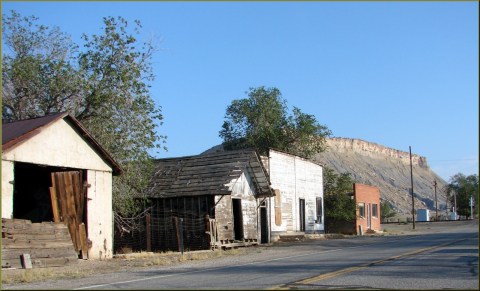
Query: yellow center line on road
point(355, 268)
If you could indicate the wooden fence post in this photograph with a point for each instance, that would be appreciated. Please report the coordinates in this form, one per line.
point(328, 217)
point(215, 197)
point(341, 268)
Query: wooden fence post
point(149, 232)
point(181, 235)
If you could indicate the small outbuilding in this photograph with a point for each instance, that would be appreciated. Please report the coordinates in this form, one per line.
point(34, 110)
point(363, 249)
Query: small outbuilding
point(54, 171)
point(208, 201)
point(423, 215)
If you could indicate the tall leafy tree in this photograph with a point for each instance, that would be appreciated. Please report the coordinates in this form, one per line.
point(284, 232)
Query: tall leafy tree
point(117, 105)
point(461, 188)
point(262, 121)
point(105, 85)
point(337, 193)
point(38, 70)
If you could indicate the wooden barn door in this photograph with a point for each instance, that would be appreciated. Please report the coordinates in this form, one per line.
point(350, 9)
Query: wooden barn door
point(68, 204)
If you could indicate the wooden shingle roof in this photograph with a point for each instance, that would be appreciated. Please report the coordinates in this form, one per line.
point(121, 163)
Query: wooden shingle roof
point(207, 174)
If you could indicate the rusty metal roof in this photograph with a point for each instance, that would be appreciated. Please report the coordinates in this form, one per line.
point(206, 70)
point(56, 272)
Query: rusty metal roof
point(14, 133)
point(207, 174)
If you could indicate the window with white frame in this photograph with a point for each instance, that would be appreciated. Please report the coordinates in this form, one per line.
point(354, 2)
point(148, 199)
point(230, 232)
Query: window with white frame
point(361, 209)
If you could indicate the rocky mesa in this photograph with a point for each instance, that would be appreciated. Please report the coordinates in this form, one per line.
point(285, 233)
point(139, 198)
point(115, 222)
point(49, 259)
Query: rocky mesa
point(389, 170)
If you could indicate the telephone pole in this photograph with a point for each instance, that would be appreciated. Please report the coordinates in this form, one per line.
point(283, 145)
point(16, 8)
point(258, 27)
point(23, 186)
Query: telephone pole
point(411, 179)
point(455, 204)
point(436, 207)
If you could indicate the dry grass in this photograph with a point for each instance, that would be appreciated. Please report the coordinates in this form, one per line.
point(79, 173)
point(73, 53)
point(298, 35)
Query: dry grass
point(121, 262)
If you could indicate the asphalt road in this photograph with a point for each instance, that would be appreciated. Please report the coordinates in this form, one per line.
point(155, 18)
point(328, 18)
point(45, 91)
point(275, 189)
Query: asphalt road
point(446, 258)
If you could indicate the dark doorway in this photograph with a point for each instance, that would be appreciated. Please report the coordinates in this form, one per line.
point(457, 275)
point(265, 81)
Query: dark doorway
point(237, 218)
point(31, 193)
point(263, 225)
point(302, 214)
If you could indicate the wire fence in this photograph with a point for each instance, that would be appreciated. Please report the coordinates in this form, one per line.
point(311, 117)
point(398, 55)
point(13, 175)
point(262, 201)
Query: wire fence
point(130, 233)
point(160, 228)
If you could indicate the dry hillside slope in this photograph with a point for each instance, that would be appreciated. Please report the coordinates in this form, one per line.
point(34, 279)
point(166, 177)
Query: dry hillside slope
point(388, 169)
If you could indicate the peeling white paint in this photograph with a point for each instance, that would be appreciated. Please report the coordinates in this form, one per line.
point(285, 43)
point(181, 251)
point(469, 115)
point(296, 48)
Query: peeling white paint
point(296, 178)
point(60, 145)
point(7, 189)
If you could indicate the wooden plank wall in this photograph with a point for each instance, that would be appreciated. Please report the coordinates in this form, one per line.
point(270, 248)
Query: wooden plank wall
point(47, 243)
point(224, 217)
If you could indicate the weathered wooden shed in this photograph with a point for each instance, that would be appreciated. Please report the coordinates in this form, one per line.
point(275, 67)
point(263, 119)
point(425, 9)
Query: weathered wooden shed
point(297, 207)
point(220, 198)
point(54, 171)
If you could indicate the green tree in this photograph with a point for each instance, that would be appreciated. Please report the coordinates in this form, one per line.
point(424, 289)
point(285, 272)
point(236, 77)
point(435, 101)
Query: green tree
point(105, 85)
point(38, 73)
point(338, 192)
point(261, 121)
point(386, 211)
point(461, 188)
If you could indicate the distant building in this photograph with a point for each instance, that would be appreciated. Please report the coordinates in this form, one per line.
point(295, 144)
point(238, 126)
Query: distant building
point(367, 199)
point(367, 212)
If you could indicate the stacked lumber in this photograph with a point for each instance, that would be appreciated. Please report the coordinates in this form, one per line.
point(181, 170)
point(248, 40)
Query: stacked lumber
point(45, 244)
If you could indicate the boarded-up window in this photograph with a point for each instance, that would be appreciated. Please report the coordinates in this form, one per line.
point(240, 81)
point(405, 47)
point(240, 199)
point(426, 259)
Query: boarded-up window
point(278, 208)
point(319, 210)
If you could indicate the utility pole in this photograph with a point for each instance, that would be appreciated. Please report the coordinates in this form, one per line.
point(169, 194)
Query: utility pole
point(411, 180)
point(455, 204)
point(471, 207)
point(446, 207)
point(436, 206)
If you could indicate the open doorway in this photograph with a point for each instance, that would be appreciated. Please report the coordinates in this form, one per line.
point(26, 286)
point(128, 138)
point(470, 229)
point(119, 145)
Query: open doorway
point(31, 193)
point(263, 224)
point(302, 214)
point(237, 218)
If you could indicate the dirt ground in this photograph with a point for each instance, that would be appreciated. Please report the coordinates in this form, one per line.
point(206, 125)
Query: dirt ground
point(83, 268)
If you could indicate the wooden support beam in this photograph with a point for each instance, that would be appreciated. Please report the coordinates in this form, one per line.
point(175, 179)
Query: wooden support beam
point(55, 209)
point(83, 240)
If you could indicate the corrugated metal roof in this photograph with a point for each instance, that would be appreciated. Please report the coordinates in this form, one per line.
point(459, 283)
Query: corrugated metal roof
point(14, 133)
point(207, 174)
point(18, 131)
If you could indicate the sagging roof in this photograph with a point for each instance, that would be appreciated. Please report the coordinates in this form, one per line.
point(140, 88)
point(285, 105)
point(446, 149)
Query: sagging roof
point(207, 174)
point(14, 133)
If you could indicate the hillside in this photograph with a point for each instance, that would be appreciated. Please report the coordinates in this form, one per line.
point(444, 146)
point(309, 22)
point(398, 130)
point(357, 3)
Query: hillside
point(388, 169)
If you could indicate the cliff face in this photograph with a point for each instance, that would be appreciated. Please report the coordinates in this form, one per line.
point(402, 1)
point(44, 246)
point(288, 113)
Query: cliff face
point(388, 169)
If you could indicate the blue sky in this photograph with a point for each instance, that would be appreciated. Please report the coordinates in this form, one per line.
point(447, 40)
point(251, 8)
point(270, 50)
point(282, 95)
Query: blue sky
point(396, 74)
